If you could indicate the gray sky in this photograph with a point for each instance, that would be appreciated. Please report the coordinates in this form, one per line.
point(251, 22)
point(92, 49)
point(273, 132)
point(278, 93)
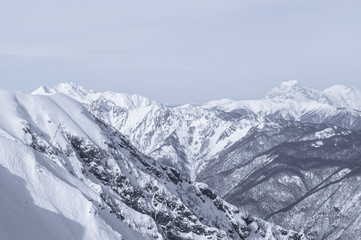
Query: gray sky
point(179, 51)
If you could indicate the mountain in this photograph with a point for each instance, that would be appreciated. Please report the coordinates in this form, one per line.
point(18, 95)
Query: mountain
point(268, 156)
point(188, 136)
point(301, 176)
point(337, 105)
point(82, 95)
point(181, 136)
point(66, 174)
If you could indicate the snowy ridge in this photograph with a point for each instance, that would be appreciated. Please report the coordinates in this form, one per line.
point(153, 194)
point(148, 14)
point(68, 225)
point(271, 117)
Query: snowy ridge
point(80, 94)
point(344, 96)
point(226, 144)
point(81, 175)
point(297, 99)
point(187, 136)
point(298, 175)
point(181, 136)
point(293, 90)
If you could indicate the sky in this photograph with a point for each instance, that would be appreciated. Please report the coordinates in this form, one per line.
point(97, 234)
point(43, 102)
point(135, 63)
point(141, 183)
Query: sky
point(180, 51)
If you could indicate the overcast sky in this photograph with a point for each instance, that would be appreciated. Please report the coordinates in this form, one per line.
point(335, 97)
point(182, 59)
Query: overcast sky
point(179, 51)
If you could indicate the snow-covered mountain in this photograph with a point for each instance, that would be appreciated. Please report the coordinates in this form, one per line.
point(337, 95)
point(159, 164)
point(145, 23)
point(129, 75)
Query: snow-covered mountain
point(82, 95)
point(187, 136)
point(302, 176)
point(291, 101)
point(231, 145)
point(182, 136)
point(66, 174)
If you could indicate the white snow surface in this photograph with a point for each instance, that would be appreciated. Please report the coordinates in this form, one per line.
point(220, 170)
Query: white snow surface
point(39, 198)
point(188, 136)
point(80, 94)
point(199, 132)
point(48, 191)
point(297, 99)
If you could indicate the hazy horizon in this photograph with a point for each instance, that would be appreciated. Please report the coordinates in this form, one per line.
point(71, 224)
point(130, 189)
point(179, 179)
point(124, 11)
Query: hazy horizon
point(178, 52)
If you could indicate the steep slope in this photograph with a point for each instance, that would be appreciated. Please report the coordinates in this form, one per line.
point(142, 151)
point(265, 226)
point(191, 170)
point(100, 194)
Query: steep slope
point(232, 146)
point(188, 137)
point(82, 95)
point(182, 137)
point(40, 198)
point(303, 176)
point(75, 172)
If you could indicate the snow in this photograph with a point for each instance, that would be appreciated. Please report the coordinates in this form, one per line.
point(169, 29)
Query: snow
point(327, 133)
point(296, 100)
point(188, 136)
point(58, 197)
point(317, 144)
point(32, 210)
point(289, 83)
point(344, 96)
point(27, 195)
point(200, 132)
point(82, 95)
point(291, 179)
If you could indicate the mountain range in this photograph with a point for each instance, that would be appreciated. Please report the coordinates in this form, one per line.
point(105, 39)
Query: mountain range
point(188, 136)
point(113, 165)
point(66, 174)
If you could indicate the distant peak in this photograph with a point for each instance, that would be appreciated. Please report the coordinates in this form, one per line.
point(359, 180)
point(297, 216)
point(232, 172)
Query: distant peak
point(44, 90)
point(65, 87)
point(287, 89)
point(344, 96)
point(289, 83)
point(217, 103)
point(71, 87)
point(338, 89)
point(84, 95)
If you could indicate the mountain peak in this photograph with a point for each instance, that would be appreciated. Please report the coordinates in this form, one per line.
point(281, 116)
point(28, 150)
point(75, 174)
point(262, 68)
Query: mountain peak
point(293, 90)
point(61, 87)
point(70, 86)
point(344, 96)
point(86, 96)
point(290, 83)
point(339, 90)
point(71, 89)
point(43, 90)
point(288, 90)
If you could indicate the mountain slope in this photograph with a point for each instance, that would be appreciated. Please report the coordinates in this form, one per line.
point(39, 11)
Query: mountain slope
point(231, 145)
point(182, 137)
point(188, 136)
point(75, 172)
point(303, 176)
point(337, 105)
